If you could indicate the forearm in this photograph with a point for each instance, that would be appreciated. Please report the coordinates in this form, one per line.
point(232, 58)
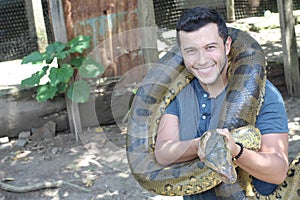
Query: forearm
point(169, 152)
point(269, 167)
point(168, 147)
point(270, 163)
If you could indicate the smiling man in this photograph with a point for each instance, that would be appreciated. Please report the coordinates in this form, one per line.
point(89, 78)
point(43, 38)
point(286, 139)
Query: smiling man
point(203, 39)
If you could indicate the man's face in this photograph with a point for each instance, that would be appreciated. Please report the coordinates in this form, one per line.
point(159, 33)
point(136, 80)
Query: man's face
point(205, 54)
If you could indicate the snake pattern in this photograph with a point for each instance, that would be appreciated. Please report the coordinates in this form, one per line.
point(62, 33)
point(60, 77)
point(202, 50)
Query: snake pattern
point(244, 96)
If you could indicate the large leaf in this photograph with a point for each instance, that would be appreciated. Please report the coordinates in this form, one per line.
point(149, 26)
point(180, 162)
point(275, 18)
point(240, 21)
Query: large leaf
point(35, 78)
point(34, 57)
point(62, 74)
point(79, 44)
point(77, 61)
point(54, 50)
point(90, 68)
point(45, 92)
point(79, 92)
point(61, 87)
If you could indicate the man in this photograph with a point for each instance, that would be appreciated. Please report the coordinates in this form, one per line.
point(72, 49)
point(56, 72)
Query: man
point(204, 43)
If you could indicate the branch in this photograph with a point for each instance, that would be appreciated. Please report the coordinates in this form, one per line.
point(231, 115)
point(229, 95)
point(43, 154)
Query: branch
point(38, 186)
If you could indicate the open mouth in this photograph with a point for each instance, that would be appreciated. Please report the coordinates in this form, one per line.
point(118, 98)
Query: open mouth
point(205, 70)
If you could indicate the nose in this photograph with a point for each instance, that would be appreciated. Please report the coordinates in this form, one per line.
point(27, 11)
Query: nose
point(201, 60)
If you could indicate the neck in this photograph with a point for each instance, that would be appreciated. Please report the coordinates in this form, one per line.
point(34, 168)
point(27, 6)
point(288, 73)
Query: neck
point(218, 86)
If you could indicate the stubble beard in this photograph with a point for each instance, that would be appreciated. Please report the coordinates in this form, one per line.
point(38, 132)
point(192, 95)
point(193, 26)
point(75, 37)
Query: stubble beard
point(218, 77)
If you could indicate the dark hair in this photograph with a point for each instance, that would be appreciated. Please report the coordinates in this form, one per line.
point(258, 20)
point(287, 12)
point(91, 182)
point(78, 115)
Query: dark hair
point(195, 18)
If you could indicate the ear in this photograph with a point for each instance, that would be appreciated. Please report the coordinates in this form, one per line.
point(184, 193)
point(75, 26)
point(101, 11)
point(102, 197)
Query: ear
point(228, 45)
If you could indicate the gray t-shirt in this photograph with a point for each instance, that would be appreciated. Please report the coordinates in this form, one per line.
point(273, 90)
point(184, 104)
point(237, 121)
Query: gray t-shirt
point(195, 120)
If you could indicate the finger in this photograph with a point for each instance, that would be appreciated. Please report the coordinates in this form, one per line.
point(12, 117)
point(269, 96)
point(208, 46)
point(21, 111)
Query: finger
point(219, 130)
point(224, 133)
point(201, 155)
point(225, 130)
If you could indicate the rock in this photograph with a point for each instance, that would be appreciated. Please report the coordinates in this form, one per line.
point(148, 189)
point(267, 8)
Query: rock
point(41, 134)
point(24, 135)
point(5, 143)
point(6, 146)
point(54, 150)
point(22, 111)
point(51, 126)
point(21, 142)
point(46, 131)
point(4, 140)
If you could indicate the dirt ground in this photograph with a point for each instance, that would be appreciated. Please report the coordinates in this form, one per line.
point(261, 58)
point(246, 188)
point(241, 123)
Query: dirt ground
point(95, 167)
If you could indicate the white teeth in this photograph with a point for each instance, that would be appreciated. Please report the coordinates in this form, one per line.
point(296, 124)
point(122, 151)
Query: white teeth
point(206, 69)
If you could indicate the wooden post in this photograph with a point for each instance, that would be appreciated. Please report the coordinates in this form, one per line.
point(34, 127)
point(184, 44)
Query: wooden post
point(230, 10)
point(149, 32)
point(60, 34)
point(289, 45)
point(58, 20)
point(34, 10)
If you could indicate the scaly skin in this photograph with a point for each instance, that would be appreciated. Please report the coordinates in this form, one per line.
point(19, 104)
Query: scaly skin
point(246, 87)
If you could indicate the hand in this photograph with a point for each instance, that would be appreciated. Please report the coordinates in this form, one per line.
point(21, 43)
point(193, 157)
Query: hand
point(232, 146)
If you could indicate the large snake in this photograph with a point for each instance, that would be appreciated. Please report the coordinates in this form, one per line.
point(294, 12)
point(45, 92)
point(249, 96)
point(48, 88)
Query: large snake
point(244, 96)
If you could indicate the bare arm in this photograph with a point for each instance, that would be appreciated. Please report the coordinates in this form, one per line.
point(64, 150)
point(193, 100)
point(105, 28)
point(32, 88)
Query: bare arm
point(270, 164)
point(168, 148)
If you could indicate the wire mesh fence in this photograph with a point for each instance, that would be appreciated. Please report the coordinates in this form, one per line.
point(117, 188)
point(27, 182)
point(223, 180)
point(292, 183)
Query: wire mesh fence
point(17, 29)
point(167, 12)
point(18, 35)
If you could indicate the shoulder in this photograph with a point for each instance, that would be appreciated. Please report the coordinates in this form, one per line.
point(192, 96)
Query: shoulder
point(272, 99)
point(272, 117)
point(272, 93)
point(186, 96)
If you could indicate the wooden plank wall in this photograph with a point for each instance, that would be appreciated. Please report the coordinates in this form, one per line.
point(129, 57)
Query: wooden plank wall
point(111, 24)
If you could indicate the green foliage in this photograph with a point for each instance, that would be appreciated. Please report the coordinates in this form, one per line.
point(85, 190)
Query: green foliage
point(61, 74)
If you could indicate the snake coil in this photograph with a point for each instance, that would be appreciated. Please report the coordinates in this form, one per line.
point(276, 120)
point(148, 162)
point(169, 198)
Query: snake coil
point(247, 77)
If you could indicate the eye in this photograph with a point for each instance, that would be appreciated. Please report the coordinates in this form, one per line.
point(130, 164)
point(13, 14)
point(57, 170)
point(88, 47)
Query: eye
point(210, 47)
point(189, 51)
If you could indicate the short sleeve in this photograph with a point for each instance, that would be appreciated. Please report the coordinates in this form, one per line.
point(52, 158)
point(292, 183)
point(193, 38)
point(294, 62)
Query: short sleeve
point(172, 108)
point(272, 117)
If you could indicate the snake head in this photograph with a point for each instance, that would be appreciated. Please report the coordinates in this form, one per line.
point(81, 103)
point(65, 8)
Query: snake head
point(217, 156)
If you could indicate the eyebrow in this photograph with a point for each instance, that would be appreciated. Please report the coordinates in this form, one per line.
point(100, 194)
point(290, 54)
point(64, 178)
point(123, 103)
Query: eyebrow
point(209, 44)
point(189, 48)
point(212, 43)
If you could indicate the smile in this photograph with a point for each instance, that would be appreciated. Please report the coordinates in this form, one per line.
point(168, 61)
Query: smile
point(205, 70)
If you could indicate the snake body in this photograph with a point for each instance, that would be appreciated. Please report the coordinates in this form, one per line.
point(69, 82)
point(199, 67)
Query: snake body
point(244, 96)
